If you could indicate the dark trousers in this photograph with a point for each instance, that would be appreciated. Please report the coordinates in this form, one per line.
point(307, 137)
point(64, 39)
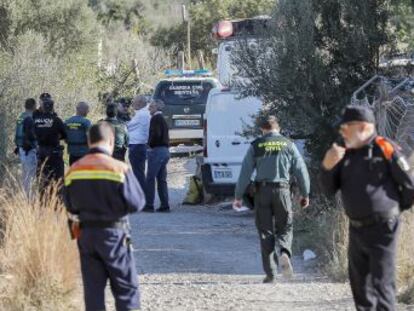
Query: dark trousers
point(105, 254)
point(274, 223)
point(371, 255)
point(50, 168)
point(138, 157)
point(73, 158)
point(119, 154)
point(158, 158)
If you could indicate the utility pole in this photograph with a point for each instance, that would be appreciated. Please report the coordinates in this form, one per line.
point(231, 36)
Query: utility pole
point(186, 19)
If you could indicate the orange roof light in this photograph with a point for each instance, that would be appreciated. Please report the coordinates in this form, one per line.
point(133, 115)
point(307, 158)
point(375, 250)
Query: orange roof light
point(223, 29)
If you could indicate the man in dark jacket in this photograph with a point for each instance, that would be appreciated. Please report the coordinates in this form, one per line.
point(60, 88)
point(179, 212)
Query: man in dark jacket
point(26, 144)
point(158, 157)
point(369, 170)
point(49, 131)
point(76, 130)
point(99, 194)
point(121, 132)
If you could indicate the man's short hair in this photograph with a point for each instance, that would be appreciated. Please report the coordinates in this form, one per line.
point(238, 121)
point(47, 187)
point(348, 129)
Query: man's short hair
point(100, 132)
point(140, 99)
point(268, 122)
point(82, 107)
point(111, 110)
point(158, 103)
point(30, 104)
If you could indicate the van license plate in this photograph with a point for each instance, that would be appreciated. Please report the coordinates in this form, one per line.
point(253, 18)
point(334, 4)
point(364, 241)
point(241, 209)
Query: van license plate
point(187, 122)
point(223, 174)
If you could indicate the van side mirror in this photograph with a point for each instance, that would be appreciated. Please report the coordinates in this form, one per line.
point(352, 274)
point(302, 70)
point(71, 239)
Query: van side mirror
point(214, 51)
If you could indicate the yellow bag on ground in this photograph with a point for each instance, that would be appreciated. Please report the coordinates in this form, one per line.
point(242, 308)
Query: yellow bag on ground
point(195, 191)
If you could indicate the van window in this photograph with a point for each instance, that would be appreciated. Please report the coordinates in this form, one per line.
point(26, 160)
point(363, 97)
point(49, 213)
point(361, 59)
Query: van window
point(183, 92)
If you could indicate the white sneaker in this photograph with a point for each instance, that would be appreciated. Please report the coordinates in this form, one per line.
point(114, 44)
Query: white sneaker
point(286, 266)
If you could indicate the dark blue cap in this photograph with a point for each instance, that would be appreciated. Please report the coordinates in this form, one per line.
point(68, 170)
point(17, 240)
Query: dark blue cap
point(358, 113)
point(45, 96)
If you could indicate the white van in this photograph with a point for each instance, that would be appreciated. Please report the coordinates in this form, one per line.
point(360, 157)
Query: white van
point(224, 147)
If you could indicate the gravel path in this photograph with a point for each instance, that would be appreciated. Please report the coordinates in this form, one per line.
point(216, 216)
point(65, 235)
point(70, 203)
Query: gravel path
point(207, 258)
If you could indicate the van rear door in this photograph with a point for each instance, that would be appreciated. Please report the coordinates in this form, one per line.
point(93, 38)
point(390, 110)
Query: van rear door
point(185, 102)
point(226, 117)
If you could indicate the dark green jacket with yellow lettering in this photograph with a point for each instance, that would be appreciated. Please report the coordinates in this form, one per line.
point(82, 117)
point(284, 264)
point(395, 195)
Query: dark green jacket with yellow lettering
point(275, 159)
point(76, 129)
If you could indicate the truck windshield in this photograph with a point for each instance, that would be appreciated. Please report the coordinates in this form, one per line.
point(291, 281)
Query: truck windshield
point(183, 92)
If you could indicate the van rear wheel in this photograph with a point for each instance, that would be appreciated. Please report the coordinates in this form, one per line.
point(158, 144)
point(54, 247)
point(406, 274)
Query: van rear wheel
point(207, 197)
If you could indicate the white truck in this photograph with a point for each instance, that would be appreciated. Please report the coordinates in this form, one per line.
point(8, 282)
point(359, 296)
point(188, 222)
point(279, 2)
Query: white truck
point(227, 114)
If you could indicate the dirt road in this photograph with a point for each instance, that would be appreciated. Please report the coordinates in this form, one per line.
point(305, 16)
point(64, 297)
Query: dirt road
point(207, 258)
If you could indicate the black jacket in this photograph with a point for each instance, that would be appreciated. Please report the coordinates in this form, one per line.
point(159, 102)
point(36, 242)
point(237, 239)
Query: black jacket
point(100, 188)
point(158, 132)
point(49, 129)
point(368, 178)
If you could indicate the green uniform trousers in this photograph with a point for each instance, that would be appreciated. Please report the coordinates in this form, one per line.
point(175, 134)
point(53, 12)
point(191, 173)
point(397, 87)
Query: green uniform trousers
point(274, 222)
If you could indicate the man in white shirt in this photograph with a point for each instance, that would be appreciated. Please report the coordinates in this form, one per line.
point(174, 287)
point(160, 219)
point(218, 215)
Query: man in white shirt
point(138, 131)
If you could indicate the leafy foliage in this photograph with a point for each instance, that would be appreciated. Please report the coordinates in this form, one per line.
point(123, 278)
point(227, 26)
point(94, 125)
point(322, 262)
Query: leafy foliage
point(204, 14)
point(316, 56)
point(129, 13)
point(67, 26)
point(403, 22)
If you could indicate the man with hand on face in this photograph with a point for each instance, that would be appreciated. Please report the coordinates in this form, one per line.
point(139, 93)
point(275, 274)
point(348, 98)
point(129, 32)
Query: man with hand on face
point(275, 158)
point(371, 172)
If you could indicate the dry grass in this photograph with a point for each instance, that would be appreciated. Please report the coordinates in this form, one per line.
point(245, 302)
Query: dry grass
point(337, 264)
point(405, 265)
point(38, 261)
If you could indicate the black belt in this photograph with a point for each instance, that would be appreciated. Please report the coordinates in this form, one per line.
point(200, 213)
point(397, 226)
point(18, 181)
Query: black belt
point(103, 224)
point(272, 184)
point(375, 219)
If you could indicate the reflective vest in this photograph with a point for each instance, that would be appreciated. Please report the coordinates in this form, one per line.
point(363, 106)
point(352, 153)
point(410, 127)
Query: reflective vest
point(76, 129)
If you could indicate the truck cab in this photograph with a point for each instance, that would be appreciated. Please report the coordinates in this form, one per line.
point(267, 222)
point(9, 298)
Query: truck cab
point(227, 112)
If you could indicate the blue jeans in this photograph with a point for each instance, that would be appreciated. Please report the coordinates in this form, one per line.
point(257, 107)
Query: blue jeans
point(137, 157)
point(158, 158)
point(29, 164)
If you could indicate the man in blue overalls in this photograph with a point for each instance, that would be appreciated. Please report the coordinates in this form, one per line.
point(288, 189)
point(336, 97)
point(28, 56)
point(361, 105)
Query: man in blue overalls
point(99, 193)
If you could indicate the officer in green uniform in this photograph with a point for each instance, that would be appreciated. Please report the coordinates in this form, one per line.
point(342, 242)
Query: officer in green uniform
point(275, 158)
point(121, 132)
point(76, 130)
